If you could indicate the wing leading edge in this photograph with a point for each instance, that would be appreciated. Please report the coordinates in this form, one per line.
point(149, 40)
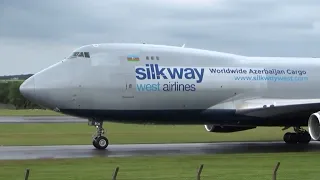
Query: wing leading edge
point(268, 107)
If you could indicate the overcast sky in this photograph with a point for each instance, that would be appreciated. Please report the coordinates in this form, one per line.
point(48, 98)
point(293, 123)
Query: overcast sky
point(37, 33)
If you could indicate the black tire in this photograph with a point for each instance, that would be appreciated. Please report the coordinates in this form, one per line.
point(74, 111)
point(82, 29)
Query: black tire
point(95, 144)
point(291, 138)
point(100, 142)
point(304, 138)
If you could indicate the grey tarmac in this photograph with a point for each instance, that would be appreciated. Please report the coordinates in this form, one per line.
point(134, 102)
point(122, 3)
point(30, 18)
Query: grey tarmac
point(41, 119)
point(126, 150)
point(86, 151)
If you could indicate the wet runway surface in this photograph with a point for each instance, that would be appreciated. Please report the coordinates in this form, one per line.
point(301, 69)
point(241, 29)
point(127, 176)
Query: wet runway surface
point(42, 119)
point(83, 151)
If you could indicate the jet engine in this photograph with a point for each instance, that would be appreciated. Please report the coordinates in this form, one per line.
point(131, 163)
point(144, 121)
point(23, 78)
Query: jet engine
point(226, 129)
point(314, 126)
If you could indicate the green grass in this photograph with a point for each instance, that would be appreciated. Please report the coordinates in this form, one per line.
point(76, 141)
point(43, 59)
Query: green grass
point(80, 133)
point(28, 112)
point(75, 133)
point(294, 166)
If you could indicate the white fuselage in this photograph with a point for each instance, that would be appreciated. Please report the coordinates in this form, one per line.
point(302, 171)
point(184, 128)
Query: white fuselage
point(167, 79)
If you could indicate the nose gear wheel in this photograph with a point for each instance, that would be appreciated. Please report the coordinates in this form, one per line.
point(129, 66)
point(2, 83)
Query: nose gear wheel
point(99, 141)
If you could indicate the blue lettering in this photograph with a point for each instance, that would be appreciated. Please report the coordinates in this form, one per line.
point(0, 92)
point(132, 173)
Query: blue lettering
point(175, 71)
point(153, 71)
point(290, 71)
point(160, 72)
point(189, 73)
point(148, 87)
point(148, 71)
point(178, 87)
point(140, 71)
point(200, 74)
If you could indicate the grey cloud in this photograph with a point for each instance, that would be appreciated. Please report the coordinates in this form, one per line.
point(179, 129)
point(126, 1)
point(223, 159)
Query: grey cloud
point(42, 19)
point(60, 20)
point(248, 27)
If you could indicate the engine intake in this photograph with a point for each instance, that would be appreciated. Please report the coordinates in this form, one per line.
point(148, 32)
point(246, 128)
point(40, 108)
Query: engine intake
point(226, 129)
point(314, 126)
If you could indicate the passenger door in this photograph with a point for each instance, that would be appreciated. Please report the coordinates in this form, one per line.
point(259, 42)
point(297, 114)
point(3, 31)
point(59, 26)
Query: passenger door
point(128, 86)
point(127, 79)
point(79, 86)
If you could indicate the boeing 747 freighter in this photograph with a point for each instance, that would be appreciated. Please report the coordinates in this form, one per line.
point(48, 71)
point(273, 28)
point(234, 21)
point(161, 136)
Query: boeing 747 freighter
point(158, 84)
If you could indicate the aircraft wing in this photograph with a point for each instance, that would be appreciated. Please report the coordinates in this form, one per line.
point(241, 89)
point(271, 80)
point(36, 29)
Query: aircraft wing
point(268, 107)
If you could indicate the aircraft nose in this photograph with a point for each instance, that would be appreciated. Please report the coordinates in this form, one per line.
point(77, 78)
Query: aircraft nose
point(27, 88)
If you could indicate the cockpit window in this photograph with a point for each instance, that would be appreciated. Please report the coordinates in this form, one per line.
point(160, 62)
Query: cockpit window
point(86, 54)
point(80, 54)
point(75, 54)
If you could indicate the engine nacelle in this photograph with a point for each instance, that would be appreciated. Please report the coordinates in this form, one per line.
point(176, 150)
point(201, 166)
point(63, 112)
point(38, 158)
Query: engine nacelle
point(226, 129)
point(314, 126)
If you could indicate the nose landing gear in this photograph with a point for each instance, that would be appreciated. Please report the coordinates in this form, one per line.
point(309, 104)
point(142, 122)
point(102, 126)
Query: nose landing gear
point(99, 141)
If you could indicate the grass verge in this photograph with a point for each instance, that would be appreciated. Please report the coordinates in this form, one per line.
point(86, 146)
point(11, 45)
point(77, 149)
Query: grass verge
point(293, 166)
point(80, 133)
point(28, 112)
point(74, 133)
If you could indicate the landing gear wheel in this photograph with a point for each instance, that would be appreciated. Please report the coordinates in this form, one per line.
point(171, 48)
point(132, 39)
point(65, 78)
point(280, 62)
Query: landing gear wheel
point(100, 142)
point(290, 138)
point(300, 136)
point(95, 144)
point(304, 138)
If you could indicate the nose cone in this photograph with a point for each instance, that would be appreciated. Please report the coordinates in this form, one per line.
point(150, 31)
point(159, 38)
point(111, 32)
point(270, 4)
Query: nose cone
point(27, 89)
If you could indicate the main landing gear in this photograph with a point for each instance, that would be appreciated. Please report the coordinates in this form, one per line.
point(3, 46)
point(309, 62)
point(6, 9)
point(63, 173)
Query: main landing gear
point(299, 136)
point(99, 141)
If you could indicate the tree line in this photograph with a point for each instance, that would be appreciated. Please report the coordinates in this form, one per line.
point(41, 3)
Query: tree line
point(10, 94)
point(16, 77)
